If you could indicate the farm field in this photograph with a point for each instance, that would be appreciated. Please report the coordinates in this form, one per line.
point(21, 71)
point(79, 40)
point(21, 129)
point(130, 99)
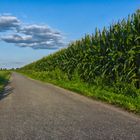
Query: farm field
point(104, 65)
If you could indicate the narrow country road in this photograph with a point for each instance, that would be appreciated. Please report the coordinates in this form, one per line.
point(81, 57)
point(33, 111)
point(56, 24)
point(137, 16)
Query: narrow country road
point(31, 110)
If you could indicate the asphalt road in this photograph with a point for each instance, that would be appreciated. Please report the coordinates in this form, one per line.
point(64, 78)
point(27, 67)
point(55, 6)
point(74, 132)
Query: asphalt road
point(31, 110)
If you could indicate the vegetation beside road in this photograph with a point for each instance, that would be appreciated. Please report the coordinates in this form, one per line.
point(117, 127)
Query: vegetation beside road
point(105, 93)
point(104, 65)
point(4, 78)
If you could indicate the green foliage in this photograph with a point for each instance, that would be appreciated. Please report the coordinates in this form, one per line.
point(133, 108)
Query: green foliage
point(107, 58)
point(4, 77)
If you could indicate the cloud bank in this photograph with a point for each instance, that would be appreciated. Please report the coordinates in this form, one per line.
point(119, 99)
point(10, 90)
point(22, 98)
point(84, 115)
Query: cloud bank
point(34, 35)
point(8, 22)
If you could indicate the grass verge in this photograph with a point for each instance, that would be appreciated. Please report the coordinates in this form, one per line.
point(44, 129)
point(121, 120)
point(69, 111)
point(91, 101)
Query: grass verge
point(4, 78)
point(105, 94)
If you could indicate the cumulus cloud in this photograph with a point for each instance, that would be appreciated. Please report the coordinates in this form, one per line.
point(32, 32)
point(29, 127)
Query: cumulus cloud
point(42, 36)
point(17, 39)
point(34, 36)
point(8, 22)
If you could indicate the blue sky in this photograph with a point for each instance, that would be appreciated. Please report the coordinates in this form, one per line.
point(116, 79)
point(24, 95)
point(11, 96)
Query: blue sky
point(70, 18)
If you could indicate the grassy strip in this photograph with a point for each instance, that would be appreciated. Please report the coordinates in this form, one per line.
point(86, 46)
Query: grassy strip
point(104, 94)
point(4, 78)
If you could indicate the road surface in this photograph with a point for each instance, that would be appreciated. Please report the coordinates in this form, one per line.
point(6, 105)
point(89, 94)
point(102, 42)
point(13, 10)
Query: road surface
point(31, 110)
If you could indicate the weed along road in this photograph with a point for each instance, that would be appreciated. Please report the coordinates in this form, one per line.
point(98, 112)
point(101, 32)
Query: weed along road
point(31, 110)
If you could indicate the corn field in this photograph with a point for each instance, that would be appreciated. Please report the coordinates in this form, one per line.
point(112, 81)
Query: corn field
point(111, 55)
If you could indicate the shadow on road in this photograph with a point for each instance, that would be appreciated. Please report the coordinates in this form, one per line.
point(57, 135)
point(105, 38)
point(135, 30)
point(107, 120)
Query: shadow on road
point(7, 91)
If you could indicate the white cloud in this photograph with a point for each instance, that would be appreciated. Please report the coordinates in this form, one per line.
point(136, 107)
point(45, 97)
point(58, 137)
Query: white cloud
point(8, 22)
point(34, 36)
point(17, 39)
